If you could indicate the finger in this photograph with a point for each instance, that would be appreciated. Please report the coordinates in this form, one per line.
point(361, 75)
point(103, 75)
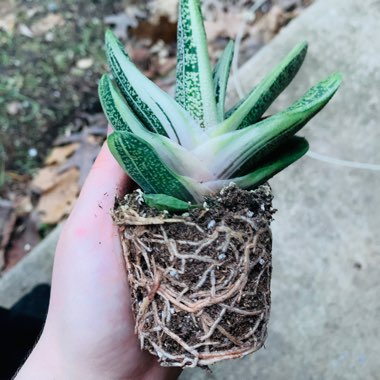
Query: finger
point(90, 228)
point(89, 275)
point(105, 181)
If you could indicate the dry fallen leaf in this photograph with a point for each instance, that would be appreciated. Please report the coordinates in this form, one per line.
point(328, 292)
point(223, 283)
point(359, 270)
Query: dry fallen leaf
point(48, 176)
point(24, 206)
point(60, 154)
point(85, 155)
point(141, 56)
point(7, 223)
point(57, 203)
point(152, 31)
point(45, 179)
point(47, 23)
point(217, 27)
point(271, 23)
point(164, 8)
point(68, 164)
point(122, 21)
point(8, 22)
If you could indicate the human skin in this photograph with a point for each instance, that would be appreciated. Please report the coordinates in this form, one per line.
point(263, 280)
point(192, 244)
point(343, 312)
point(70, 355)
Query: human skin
point(89, 331)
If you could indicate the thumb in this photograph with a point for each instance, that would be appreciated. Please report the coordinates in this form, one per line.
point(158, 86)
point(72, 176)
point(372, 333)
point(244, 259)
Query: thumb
point(105, 181)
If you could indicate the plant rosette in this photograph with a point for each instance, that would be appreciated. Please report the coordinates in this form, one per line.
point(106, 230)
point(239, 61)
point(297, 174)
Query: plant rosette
point(196, 235)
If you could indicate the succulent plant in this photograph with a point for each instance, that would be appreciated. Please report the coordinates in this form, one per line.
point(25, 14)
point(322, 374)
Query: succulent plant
point(181, 150)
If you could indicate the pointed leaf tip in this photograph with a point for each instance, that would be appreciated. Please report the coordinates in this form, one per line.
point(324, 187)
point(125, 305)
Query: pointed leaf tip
point(220, 76)
point(159, 112)
point(194, 90)
point(264, 94)
point(318, 96)
point(231, 151)
point(110, 38)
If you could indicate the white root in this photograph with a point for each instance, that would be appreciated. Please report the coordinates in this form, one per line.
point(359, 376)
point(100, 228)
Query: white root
point(204, 306)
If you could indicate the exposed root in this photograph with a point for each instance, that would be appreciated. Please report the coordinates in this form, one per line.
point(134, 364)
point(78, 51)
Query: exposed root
point(200, 296)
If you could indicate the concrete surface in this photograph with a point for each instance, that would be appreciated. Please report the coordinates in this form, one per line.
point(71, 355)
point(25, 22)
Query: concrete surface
point(34, 269)
point(325, 321)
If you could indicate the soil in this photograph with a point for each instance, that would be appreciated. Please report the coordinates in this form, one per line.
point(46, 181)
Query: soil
point(200, 281)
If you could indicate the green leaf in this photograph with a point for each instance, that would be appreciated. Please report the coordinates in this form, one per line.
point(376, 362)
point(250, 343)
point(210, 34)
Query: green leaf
point(263, 95)
point(221, 74)
point(118, 113)
point(154, 107)
point(145, 167)
point(165, 202)
point(122, 118)
point(288, 153)
point(195, 91)
point(228, 153)
point(234, 108)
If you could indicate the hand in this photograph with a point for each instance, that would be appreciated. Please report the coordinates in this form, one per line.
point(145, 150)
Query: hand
point(89, 332)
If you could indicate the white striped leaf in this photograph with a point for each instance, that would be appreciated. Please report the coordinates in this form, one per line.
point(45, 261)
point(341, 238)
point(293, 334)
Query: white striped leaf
point(220, 76)
point(122, 118)
point(263, 95)
point(228, 153)
point(195, 90)
point(146, 168)
point(153, 106)
point(291, 151)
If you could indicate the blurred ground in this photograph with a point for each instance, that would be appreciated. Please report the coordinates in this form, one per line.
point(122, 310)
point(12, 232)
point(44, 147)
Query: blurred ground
point(51, 58)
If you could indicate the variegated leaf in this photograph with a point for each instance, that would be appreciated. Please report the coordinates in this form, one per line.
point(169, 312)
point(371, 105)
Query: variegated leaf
point(122, 118)
point(153, 106)
point(288, 153)
point(220, 76)
point(228, 153)
point(146, 168)
point(195, 91)
point(263, 95)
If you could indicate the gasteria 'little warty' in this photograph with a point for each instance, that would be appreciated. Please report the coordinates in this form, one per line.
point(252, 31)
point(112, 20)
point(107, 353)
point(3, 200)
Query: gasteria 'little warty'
point(189, 147)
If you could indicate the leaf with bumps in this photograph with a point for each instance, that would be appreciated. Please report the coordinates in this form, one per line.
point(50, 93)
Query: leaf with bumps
point(220, 76)
point(190, 147)
point(229, 152)
point(146, 168)
point(194, 91)
point(263, 95)
point(288, 153)
point(122, 118)
point(153, 106)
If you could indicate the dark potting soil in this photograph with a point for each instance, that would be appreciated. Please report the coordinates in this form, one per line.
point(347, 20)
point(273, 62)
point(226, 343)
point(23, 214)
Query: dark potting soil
point(200, 281)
